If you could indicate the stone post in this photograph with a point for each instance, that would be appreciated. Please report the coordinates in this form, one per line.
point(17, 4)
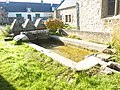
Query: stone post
point(78, 17)
point(116, 7)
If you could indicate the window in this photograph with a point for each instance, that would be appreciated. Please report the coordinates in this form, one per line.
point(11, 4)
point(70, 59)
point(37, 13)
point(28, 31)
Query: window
point(68, 18)
point(113, 7)
point(50, 15)
point(18, 15)
point(37, 15)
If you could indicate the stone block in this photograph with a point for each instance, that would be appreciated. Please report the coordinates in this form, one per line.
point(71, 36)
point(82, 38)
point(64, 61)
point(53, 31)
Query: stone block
point(39, 24)
point(88, 63)
point(8, 39)
point(110, 67)
point(22, 37)
point(114, 65)
point(16, 27)
point(103, 56)
point(28, 25)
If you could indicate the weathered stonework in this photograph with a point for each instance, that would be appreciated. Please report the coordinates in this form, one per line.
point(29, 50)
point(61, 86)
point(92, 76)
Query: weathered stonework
point(94, 22)
point(112, 22)
point(16, 27)
point(37, 34)
point(93, 15)
point(39, 24)
point(100, 37)
point(28, 25)
point(90, 15)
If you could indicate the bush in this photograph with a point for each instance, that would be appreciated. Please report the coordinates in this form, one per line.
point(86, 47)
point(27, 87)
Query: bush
point(7, 28)
point(54, 24)
point(3, 33)
point(116, 38)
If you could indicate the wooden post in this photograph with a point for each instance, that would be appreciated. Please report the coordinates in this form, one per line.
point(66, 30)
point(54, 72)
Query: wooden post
point(116, 7)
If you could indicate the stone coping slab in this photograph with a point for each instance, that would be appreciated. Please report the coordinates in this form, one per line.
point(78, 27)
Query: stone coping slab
point(81, 43)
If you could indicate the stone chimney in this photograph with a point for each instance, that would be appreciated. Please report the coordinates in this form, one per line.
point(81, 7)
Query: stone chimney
point(41, 1)
point(62, 1)
point(7, 1)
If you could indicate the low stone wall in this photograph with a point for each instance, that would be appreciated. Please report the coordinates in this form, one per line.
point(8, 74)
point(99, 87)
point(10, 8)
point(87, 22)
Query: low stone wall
point(112, 22)
point(100, 37)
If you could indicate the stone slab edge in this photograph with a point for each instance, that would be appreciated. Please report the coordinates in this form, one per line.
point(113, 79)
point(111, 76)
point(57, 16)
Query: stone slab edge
point(81, 43)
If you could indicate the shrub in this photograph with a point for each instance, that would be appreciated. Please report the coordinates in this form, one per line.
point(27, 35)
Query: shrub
point(7, 28)
point(116, 38)
point(54, 24)
point(3, 33)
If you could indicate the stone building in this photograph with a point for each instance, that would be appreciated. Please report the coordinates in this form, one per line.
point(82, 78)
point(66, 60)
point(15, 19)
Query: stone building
point(67, 12)
point(95, 13)
point(96, 19)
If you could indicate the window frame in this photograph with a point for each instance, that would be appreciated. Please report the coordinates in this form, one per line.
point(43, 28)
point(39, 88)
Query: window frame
point(116, 8)
point(37, 15)
point(18, 15)
point(68, 18)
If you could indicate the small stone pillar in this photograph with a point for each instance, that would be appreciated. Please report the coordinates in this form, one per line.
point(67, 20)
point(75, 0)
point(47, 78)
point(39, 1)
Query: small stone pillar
point(39, 24)
point(16, 27)
point(28, 25)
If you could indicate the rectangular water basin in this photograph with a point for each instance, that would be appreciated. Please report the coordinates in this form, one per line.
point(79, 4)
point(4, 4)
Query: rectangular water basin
point(71, 52)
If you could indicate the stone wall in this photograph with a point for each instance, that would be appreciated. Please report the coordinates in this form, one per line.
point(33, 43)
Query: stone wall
point(100, 37)
point(112, 22)
point(92, 13)
point(95, 24)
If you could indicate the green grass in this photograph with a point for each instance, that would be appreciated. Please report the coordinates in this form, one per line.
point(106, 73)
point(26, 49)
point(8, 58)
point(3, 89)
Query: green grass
point(24, 68)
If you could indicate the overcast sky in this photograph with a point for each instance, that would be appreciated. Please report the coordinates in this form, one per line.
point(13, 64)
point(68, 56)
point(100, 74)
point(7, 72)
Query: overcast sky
point(45, 1)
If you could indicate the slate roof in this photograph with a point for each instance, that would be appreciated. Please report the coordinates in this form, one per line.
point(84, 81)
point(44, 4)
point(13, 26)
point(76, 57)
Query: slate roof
point(55, 5)
point(22, 6)
point(66, 4)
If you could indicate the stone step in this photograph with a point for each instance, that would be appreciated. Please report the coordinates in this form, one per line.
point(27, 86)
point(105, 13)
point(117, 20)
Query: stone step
point(103, 56)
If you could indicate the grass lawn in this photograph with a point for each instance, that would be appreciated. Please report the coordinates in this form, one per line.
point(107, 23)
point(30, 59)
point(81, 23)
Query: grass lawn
point(24, 68)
